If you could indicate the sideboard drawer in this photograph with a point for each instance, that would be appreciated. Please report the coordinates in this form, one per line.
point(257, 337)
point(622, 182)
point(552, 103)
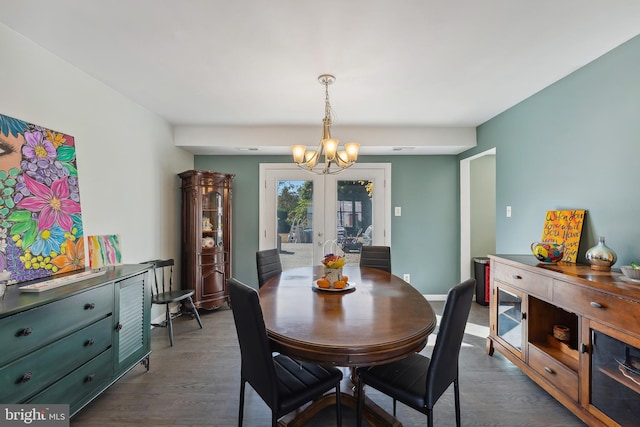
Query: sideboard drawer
point(31, 329)
point(615, 311)
point(534, 284)
point(555, 372)
point(27, 375)
point(75, 388)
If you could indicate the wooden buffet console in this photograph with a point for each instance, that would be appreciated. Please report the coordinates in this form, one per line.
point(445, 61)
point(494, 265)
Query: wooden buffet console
point(595, 371)
point(68, 344)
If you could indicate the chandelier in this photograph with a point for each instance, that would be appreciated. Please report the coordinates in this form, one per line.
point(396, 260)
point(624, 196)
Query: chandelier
point(333, 156)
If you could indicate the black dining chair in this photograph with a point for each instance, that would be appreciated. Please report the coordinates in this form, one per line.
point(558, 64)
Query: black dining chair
point(283, 383)
point(377, 257)
point(419, 381)
point(269, 265)
point(164, 294)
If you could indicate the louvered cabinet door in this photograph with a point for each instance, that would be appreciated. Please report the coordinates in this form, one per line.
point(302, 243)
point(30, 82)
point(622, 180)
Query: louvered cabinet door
point(132, 321)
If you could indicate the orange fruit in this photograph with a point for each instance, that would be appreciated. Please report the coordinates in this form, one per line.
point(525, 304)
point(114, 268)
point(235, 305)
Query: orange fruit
point(339, 285)
point(345, 279)
point(323, 283)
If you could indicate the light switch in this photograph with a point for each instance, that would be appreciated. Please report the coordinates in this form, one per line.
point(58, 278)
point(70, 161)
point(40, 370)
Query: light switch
point(398, 211)
point(508, 211)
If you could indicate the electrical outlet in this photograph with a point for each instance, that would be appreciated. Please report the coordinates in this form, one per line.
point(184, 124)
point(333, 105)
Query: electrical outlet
point(406, 277)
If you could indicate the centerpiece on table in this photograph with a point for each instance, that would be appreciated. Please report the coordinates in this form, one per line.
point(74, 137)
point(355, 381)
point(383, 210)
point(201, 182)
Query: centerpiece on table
point(333, 270)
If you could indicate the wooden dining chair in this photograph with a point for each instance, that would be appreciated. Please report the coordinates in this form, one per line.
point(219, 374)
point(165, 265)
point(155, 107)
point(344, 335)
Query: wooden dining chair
point(377, 257)
point(268, 264)
point(419, 381)
point(164, 294)
point(283, 383)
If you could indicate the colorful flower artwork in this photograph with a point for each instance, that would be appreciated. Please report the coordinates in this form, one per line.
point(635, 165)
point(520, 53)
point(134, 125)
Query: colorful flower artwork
point(41, 230)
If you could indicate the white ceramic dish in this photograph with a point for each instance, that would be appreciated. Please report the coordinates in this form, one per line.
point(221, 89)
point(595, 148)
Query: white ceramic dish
point(350, 286)
point(630, 280)
point(630, 272)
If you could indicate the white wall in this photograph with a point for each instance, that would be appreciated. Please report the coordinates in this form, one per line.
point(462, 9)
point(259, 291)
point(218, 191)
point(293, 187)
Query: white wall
point(483, 206)
point(375, 140)
point(127, 161)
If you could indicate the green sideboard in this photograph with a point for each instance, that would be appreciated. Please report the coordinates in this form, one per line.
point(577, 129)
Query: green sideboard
point(68, 344)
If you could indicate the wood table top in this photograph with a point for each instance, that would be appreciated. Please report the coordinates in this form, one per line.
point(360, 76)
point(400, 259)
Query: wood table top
point(382, 319)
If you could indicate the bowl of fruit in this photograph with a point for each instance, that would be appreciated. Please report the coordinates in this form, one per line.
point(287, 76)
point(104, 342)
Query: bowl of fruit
point(548, 252)
point(631, 271)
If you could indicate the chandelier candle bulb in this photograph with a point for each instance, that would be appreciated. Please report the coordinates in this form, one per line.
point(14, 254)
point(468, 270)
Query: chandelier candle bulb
point(298, 153)
point(330, 148)
point(312, 158)
point(352, 149)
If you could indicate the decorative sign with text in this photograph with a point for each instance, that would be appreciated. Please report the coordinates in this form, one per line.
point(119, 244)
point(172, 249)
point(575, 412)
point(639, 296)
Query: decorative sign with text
point(564, 226)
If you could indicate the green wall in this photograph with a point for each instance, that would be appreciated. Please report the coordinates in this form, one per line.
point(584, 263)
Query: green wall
point(573, 145)
point(425, 239)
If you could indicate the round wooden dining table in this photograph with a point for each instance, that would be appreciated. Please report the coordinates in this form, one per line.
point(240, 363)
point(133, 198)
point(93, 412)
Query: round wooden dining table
point(379, 318)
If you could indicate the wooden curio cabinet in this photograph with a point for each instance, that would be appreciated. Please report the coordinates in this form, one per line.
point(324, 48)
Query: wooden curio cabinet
point(206, 236)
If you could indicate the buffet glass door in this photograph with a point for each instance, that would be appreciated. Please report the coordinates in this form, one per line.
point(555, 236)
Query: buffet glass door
point(510, 318)
point(614, 376)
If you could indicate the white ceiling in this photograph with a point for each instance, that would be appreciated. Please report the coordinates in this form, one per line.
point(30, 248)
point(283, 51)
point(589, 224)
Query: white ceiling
point(410, 63)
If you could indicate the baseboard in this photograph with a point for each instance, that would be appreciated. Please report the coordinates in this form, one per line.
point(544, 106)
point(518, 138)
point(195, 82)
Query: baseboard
point(435, 297)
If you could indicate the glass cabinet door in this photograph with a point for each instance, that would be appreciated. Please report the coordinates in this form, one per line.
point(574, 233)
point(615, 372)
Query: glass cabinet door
point(615, 377)
point(212, 220)
point(510, 317)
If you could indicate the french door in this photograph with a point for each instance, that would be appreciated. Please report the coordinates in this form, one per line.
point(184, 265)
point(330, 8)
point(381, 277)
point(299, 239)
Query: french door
point(306, 215)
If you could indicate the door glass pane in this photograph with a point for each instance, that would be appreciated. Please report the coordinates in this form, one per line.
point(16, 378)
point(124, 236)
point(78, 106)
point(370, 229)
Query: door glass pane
point(295, 223)
point(510, 318)
point(615, 378)
point(354, 217)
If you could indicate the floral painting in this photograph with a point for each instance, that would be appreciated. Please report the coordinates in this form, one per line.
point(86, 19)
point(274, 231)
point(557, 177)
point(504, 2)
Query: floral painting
point(40, 217)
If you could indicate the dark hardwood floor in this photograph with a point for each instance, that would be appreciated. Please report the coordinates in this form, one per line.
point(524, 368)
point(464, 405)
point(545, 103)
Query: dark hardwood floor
point(196, 383)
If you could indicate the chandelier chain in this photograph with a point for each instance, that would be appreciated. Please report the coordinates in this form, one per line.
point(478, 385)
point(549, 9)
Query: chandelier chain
point(327, 104)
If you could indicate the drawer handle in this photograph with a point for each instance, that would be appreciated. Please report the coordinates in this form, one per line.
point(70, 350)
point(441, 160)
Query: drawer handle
point(596, 304)
point(24, 332)
point(549, 370)
point(584, 348)
point(90, 306)
point(89, 378)
point(24, 378)
point(89, 342)
point(524, 316)
point(516, 277)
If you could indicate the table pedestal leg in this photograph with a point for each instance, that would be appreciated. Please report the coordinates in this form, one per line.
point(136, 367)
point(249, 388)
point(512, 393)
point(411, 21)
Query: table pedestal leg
point(371, 413)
